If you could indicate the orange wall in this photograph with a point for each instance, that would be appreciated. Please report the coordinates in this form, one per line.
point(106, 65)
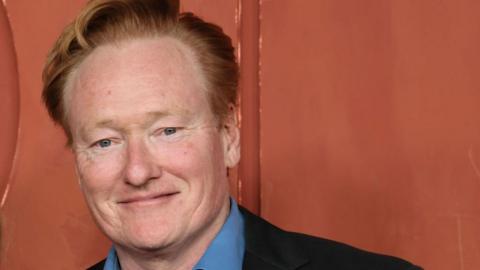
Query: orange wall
point(45, 220)
point(360, 123)
point(370, 125)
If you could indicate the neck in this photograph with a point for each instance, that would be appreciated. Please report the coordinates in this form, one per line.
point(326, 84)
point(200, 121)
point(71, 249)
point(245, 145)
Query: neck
point(182, 256)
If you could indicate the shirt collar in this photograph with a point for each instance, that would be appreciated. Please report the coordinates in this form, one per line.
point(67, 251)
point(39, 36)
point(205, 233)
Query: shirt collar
point(228, 247)
point(224, 253)
point(112, 261)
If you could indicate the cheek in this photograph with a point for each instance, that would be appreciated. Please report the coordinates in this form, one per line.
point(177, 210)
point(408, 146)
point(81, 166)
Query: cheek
point(186, 161)
point(202, 160)
point(98, 173)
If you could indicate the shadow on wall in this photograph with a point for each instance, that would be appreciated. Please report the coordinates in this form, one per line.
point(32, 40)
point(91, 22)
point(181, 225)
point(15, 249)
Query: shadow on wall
point(9, 112)
point(9, 103)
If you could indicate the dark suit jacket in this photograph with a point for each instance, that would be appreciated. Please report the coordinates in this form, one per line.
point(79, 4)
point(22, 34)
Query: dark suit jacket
point(270, 248)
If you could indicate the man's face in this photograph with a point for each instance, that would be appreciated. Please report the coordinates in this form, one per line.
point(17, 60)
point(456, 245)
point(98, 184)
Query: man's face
point(150, 155)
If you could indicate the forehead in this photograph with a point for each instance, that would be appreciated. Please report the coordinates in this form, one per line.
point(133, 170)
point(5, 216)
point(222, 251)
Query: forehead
point(161, 72)
point(164, 59)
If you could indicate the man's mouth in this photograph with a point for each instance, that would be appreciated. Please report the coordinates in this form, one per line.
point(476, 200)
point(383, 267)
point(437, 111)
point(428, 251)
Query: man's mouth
point(148, 199)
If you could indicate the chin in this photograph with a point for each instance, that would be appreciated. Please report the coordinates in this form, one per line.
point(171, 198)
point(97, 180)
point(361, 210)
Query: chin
point(148, 244)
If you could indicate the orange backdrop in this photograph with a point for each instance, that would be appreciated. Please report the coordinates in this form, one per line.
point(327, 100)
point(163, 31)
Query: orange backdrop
point(360, 122)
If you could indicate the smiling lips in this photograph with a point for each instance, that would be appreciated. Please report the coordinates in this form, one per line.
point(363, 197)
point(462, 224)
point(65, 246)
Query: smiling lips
point(146, 199)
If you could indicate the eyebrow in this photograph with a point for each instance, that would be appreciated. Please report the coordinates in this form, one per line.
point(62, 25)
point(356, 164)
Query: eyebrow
point(151, 118)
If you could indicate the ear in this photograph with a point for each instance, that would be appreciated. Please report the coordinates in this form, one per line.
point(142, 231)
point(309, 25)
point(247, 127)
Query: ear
point(231, 138)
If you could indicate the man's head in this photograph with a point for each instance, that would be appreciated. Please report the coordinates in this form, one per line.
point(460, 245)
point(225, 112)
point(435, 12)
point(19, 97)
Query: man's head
point(147, 98)
point(104, 22)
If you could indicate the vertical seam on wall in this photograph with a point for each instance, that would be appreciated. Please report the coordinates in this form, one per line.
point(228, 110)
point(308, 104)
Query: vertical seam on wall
point(248, 49)
point(259, 87)
point(238, 23)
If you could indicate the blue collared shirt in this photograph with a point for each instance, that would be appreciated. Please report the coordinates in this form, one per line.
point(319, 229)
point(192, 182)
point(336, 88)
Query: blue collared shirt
point(224, 253)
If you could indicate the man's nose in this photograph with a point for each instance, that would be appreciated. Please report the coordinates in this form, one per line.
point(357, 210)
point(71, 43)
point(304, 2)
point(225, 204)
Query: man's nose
point(141, 165)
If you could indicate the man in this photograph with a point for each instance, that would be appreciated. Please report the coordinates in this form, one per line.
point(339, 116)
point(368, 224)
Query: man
point(147, 98)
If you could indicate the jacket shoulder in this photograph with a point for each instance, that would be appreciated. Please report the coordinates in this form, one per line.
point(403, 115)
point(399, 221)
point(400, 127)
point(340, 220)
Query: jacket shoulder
point(271, 245)
point(335, 255)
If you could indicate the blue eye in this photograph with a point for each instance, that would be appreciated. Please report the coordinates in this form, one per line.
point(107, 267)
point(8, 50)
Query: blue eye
point(170, 131)
point(104, 143)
